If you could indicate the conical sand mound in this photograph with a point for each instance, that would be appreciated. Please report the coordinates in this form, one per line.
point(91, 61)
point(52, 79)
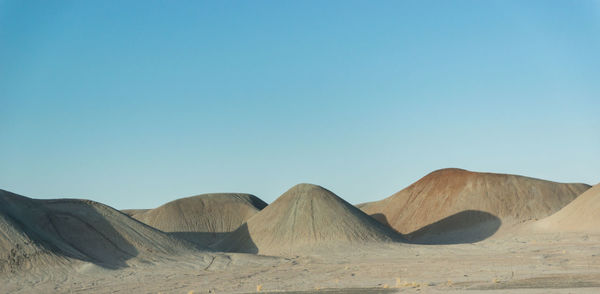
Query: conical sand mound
point(202, 219)
point(304, 218)
point(64, 229)
point(581, 215)
point(455, 199)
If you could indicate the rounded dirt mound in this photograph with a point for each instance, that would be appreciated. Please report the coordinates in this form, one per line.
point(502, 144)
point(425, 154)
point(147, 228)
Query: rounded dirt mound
point(203, 219)
point(305, 217)
point(63, 229)
point(581, 215)
point(453, 200)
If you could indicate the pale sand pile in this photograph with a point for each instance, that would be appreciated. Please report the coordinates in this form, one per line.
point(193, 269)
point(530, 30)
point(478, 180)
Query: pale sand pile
point(202, 219)
point(304, 218)
point(52, 232)
point(581, 215)
point(455, 205)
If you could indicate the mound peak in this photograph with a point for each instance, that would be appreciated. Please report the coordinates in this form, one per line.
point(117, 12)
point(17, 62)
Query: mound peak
point(202, 219)
point(307, 190)
point(449, 171)
point(468, 199)
point(303, 218)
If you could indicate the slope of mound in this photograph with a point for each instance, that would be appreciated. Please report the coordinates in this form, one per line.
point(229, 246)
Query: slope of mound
point(18, 251)
point(437, 203)
point(202, 219)
point(581, 215)
point(64, 229)
point(305, 217)
point(133, 212)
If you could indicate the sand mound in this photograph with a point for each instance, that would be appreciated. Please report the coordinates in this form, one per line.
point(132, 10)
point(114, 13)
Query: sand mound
point(18, 251)
point(203, 219)
point(454, 199)
point(581, 215)
point(303, 218)
point(54, 231)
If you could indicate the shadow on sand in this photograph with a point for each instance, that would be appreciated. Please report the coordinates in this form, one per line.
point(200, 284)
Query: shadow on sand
point(467, 226)
point(202, 239)
point(237, 241)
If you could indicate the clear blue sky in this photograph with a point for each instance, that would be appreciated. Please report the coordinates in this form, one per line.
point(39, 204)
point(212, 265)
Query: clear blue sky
point(135, 104)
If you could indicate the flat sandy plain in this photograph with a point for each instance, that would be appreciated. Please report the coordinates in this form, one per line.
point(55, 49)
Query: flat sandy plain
point(543, 263)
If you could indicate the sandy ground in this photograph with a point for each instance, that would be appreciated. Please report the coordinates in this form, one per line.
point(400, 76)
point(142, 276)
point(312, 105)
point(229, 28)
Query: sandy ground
point(539, 263)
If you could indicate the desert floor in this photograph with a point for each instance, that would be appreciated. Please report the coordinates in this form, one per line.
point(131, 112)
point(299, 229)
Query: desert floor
point(519, 263)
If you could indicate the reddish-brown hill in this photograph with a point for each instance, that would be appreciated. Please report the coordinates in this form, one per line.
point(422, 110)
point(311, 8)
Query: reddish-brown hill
point(454, 199)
